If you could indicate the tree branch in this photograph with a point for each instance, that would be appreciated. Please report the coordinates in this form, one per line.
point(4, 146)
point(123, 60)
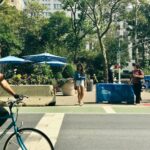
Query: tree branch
point(111, 16)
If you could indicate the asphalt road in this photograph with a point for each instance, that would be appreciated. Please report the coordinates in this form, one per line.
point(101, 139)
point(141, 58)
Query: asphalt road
point(104, 132)
point(98, 131)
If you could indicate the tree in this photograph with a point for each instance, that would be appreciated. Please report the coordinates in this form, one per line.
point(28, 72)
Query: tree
point(10, 42)
point(54, 33)
point(80, 26)
point(30, 30)
point(112, 46)
point(139, 27)
point(101, 14)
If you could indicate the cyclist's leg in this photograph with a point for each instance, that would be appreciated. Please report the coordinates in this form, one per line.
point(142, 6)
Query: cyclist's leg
point(3, 113)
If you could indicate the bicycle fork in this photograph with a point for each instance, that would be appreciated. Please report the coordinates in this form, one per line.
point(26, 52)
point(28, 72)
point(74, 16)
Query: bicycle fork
point(20, 141)
point(18, 136)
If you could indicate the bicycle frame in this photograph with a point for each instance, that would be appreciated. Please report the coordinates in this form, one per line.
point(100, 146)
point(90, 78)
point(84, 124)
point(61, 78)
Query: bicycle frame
point(13, 124)
point(8, 128)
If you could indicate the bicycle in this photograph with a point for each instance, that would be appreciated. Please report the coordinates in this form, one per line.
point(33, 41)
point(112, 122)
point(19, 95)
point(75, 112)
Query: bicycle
point(24, 138)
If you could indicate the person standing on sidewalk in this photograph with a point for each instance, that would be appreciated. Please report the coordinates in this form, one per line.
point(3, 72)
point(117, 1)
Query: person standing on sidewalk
point(137, 75)
point(5, 85)
point(79, 81)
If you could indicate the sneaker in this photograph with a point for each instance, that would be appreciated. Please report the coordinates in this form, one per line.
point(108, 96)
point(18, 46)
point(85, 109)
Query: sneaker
point(81, 103)
point(78, 103)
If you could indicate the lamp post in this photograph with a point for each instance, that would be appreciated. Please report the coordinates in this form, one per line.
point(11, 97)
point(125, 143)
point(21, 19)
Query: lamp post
point(135, 37)
point(120, 35)
point(119, 64)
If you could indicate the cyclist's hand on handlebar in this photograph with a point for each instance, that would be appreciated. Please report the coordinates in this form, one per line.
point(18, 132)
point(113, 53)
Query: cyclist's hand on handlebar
point(17, 96)
point(18, 99)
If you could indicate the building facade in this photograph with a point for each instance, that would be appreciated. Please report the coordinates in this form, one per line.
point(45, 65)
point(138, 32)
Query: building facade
point(19, 4)
point(51, 6)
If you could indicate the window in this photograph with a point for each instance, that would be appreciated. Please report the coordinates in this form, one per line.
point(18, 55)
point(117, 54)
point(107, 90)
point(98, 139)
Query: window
point(57, 6)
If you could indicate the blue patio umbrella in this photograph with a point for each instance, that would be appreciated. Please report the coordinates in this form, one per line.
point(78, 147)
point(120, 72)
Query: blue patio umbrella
point(54, 63)
point(44, 57)
point(13, 60)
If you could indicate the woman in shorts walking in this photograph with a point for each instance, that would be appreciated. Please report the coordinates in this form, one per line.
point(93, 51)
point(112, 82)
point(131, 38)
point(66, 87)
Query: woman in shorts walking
point(79, 80)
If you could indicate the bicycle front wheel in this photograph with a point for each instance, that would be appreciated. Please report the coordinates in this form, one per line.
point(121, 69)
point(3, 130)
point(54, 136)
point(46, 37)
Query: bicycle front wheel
point(33, 139)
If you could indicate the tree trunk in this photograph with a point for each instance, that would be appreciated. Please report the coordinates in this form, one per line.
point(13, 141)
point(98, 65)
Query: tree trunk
point(75, 56)
point(105, 64)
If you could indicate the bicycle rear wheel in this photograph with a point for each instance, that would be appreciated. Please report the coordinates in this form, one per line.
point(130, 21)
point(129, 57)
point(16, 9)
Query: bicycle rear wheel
point(32, 138)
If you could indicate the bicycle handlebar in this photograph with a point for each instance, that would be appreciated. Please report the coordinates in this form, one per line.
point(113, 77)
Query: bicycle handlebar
point(16, 101)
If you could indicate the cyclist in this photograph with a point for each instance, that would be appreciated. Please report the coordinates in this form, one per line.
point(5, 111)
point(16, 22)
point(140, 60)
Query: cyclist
point(5, 85)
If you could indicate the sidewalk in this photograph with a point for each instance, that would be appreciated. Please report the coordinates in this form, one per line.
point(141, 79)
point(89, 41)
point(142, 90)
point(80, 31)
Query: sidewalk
point(90, 98)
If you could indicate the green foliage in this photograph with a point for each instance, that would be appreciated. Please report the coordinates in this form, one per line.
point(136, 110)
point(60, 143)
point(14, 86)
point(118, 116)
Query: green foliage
point(28, 32)
point(32, 23)
point(30, 79)
point(80, 26)
point(58, 75)
point(68, 72)
point(146, 71)
point(42, 74)
point(139, 29)
point(10, 42)
point(54, 33)
point(42, 69)
point(93, 63)
point(16, 79)
point(112, 46)
point(63, 81)
point(99, 14)
point(34, 10)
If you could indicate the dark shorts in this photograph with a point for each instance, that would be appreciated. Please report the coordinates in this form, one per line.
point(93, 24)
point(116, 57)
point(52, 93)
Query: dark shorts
point(3, 113)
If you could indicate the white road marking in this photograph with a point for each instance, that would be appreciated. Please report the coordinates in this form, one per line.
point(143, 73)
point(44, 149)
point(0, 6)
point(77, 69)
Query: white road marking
point(50, 124)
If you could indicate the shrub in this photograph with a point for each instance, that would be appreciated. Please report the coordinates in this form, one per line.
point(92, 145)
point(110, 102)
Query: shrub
point(58, 75)
point(61, 82)
point(146, 71)
point(68, 72)
point(16, 79)
point(31, 79)
point(42, 74)
point(43, 69)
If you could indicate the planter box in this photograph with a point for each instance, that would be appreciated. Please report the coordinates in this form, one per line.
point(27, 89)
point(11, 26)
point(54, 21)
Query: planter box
point(68, 88)
point(39, 95)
